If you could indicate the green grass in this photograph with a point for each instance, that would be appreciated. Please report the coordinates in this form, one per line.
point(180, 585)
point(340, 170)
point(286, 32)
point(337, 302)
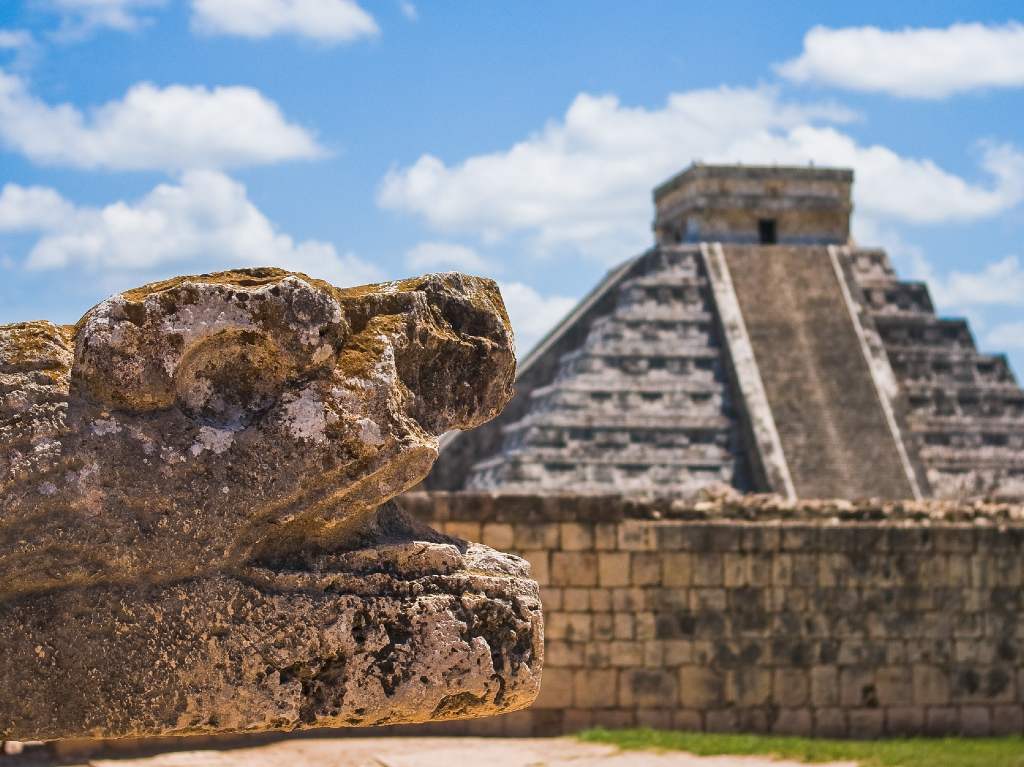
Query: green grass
point(894, 752)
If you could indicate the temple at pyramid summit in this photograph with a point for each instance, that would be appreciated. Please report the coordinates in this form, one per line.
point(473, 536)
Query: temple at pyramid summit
point(753, 345)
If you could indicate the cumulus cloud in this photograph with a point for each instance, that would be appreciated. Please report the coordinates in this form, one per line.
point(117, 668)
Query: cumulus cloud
point(169, 128)
point(81, 17)
point(929, 63)
point(445, 255)
point(207, 219)
point(585, 180)
point(531, 313)
point(327, 21)
point(997, 283)
point(1008, 336)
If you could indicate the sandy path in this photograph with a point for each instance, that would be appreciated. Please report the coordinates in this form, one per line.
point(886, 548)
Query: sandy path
point(440, 752)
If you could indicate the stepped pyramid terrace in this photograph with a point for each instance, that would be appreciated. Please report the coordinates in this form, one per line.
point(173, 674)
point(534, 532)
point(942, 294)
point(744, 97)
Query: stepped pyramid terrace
point(753, 345)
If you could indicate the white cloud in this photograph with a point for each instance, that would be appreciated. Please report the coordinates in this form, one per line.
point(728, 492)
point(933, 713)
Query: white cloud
point(169, 128)
point(998, 283)
point(13, 39)
point(328, 21)
point(532, 314)
point(1006, 336)
point(81, 17)
point(20, 47)
point(445, 255)
point(585, 180)
point(32, 208)
point(206, 218)
point(913, 62)
point(409, 10)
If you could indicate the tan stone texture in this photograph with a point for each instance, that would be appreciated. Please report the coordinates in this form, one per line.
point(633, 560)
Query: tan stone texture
point(196, 532)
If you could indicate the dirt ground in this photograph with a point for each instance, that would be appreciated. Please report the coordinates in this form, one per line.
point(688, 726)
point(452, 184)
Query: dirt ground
point(438, 752)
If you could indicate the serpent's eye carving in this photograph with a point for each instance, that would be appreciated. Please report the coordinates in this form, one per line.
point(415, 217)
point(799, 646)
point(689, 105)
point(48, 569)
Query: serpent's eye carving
point(222, 353)
point(229, 379)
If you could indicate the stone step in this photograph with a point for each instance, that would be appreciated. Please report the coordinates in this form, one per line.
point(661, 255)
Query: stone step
point(831, 423)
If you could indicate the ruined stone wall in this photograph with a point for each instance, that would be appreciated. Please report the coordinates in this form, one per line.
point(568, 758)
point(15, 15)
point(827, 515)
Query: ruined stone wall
point(816, 618)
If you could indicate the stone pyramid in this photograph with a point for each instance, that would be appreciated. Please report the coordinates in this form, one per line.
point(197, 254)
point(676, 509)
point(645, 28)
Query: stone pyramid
point(755, 346)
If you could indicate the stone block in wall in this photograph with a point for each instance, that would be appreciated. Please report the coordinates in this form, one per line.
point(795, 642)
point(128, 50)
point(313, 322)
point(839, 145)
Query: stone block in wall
point(535, 536)
point(1008, 720)
point(551, 598)
point(866, 723)
point(782, 570)
point(540, 569)
point(677, 652)
point(577, 719)
point(654, 718)
point(654, 654)
point(701, 687)
point(600, 598)
point(555, 689)
point(624, 625)
point(613, 569)
point(595, 688)
point(645, 569)
point(707, 570)
point(576, 600)
point(606, 537)
point(894, 685)
point(857, 687)
point(603, 626)
point(941, 720)
point(572, 627)
point(736, 570)
point(904, 720)
point(574, 568)
point(749, 686)
point(824, 686)
point(760, 538)
point(799, 536)
point(721, 720)
point(791, 687)
point(677, 569)
point(645, 625)
point(931, 685)
point(647, 688)
point(614, 719)
point(830, 723)
point(975, 721)
point(576, 536)
point(637, 535)
point(710, 601)
point(631, 600)
point(559, 653)
point(790, 721)
point(498, 535)
point(687, 721)
point(597, 655)
point(627, 654)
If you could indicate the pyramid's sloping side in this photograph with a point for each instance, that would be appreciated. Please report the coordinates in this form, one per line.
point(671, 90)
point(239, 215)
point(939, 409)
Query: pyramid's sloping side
point(638, 401)
point(962, 410)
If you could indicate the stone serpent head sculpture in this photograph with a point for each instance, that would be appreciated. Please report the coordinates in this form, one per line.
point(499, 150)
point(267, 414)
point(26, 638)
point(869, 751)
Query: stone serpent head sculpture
point(199, 471)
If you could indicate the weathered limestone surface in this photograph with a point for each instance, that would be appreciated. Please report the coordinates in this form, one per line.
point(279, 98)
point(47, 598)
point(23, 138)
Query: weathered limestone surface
point(195, 527)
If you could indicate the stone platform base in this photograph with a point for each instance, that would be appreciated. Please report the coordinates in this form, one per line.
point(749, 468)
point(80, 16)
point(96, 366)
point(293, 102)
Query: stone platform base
point(409, 632)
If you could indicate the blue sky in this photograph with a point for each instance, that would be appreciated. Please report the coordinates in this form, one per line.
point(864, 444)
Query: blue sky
point(145, 138)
